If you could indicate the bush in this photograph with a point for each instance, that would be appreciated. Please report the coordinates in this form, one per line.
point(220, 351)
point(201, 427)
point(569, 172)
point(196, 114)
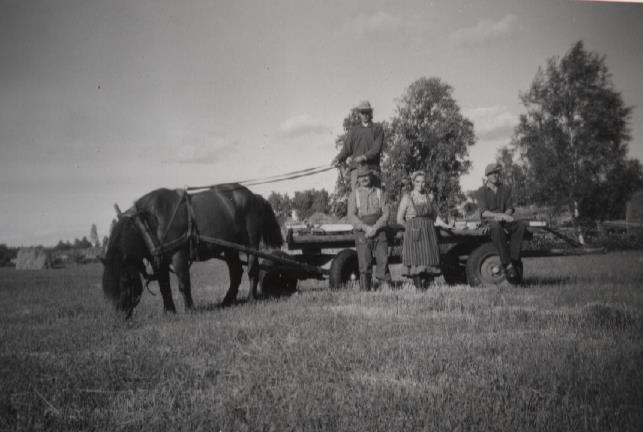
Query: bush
point(6, 255)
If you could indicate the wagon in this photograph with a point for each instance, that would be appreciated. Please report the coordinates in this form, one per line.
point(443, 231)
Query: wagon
point(467, 255)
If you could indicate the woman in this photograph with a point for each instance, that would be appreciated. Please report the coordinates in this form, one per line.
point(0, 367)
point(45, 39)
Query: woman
point(420, 252)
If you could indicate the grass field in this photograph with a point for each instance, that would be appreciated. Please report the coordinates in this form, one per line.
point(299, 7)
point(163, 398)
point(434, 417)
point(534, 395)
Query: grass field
point(564, 352)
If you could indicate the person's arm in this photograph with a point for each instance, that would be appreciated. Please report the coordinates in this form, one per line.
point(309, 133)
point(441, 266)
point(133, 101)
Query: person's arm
point(441, 223)
point(344, 152)
point(383, 220)
point(401, 210)
point(352, 212)
point(496, 216)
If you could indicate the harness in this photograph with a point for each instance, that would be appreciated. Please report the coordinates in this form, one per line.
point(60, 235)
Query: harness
point(159, 247)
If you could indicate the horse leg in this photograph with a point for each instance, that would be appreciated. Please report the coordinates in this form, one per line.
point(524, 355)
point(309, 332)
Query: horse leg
point(236, 271)
point(253, 275)
point(182, 270)
point(164, 285)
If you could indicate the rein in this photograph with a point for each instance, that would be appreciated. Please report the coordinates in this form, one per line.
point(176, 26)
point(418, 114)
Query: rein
point(272, 179)
point(159, 247)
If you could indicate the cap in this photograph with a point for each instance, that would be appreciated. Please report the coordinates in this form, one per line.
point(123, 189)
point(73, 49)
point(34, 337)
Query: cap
point(492, 168)
point(364, 106)
point(363, 171)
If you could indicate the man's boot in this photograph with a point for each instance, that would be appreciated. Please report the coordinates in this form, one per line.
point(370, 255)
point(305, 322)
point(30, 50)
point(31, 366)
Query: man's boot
point(426, 281)
point(365, 282)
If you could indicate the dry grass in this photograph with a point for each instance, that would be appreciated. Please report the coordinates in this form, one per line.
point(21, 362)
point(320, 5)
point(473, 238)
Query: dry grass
point(561, 353)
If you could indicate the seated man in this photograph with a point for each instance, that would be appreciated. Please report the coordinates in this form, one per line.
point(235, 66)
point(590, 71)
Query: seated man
point(496, 208)
point(369, 213)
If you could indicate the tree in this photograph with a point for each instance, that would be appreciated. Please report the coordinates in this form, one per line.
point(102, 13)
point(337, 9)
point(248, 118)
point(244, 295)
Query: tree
point(7, 254)
point(574, 134)
point(93, 236)
point(514, 175)
point(281, 204)
point(429, 133)
point(310, 201)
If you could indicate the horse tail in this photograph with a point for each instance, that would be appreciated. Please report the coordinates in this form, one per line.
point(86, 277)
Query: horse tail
point(271, 234)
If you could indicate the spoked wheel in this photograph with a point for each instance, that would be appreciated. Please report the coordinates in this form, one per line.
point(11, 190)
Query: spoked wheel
point(275, 282)
point(484, 267)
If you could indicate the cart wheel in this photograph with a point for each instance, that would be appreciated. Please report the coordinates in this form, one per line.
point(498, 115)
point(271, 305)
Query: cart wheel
point(275, 283)
point(344, 269)
point(484, 267)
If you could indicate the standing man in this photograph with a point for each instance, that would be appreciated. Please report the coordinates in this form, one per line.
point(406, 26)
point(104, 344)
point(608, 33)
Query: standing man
point(363, 146)
point(496, 208)
point(369, 213)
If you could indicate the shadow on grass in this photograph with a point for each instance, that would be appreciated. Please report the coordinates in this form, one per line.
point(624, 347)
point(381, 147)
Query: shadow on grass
point(531, 281)
point(209, 307)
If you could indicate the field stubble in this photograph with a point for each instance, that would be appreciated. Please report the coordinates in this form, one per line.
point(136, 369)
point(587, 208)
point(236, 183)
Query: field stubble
point(564, 352)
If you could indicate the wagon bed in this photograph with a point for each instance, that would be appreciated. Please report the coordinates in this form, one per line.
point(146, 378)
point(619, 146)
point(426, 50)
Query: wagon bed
point(467, 254)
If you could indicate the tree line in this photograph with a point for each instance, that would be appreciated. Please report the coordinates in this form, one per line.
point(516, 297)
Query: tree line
point(568, 150)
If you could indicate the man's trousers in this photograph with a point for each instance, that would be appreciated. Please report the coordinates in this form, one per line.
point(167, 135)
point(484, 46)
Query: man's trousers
point(369, 248)
point(507, 238)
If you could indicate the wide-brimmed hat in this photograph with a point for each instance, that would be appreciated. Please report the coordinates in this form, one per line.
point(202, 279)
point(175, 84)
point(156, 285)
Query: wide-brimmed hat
point(492, 168)
point(364, 106)
point(363, 171)
point(414, 174)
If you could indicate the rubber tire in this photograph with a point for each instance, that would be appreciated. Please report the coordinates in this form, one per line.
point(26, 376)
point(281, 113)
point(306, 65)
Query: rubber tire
point(484, 268)
point(343, 268)
point(276, 283)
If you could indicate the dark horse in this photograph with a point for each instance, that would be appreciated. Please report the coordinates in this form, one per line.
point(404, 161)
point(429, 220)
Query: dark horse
point(178, 222)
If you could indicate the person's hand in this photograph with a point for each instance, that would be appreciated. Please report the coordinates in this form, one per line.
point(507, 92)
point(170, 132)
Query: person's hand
point(360, 159)
point(349, 160)
point(504, 217)
point(369, 232)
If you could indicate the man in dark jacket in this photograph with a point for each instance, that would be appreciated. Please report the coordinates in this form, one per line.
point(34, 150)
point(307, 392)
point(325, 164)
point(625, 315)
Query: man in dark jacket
point(496, 209)
point(363, 146)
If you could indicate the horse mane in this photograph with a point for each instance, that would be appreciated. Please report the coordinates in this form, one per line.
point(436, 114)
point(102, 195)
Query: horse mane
point(111, 286)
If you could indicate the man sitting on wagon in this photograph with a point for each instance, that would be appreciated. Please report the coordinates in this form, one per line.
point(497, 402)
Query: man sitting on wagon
point(496, 209)
point(369, 213)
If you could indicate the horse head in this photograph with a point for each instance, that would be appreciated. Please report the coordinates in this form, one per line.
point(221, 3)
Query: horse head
point(123, 265)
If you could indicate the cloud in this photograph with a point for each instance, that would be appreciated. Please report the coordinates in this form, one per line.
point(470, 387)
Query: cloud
point(493, 122)
point(485, 31)
point(379, 22)
point(301, 125)
point(201, 152)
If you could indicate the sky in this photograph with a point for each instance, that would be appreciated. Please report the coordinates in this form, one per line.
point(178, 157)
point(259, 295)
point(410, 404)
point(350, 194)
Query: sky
point(104, 101)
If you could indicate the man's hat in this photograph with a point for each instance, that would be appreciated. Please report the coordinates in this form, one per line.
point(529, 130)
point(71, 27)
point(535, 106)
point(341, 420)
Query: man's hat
point(492, 168)
point(363, 171)
point(364, 106)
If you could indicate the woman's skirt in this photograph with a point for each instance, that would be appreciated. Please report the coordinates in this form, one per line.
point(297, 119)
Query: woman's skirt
point(420, 252)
